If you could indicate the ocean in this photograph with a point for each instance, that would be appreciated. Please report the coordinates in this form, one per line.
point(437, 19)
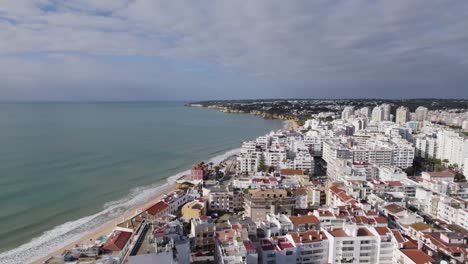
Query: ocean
point(67, 168)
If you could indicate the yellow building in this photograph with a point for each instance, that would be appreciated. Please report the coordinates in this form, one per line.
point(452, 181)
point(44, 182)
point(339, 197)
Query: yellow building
point(194, 209)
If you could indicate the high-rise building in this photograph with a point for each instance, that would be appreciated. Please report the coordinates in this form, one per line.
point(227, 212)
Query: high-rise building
point(377, 114)
point(402, 115)
point(365, 112)
point(386, 108)
point(347, 112)
point(451, 146)
point(465, 167)
point(421, 113)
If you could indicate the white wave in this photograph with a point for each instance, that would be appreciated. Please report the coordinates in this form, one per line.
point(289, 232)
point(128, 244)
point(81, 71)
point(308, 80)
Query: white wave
point(71, 231)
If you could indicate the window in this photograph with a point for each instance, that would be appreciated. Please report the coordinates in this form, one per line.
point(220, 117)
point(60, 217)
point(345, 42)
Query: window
point(288, 253)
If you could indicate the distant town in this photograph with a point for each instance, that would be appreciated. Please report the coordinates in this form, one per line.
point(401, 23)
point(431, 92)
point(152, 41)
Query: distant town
point(345, 181)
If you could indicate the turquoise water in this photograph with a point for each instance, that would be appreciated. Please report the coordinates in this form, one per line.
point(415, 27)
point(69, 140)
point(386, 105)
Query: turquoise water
point(61, 162)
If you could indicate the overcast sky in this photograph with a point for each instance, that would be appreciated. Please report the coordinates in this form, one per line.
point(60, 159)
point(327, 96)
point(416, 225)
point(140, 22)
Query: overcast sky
point(193, 50)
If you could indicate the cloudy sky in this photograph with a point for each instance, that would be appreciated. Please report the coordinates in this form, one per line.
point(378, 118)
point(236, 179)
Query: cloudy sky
point(191, 50)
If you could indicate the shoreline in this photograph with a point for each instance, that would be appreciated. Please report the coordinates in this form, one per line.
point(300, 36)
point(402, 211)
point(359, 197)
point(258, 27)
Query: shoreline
point(106, 228)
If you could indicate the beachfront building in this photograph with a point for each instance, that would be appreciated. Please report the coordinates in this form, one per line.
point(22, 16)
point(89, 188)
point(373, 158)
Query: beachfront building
point(157, 212)
point(248, 163)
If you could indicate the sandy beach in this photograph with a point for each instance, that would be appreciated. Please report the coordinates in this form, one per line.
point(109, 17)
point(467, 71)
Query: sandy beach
point(292, 125)
point(107, 228)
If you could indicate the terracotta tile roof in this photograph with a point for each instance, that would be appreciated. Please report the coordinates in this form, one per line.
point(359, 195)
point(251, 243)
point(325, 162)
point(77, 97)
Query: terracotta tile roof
point(371, 213)
point(338, 233)
point(450, 247)
point(440, 173)
point(157, 208)
point(291, 172)
point(394, 183)
point(117, 241)
point(417, 256)
point(325, 214)
point(335, 189)
point(394, 208)
point(305, 219)
point(285, 244)
point(382, 231)
point(399, 238)
point(420, 226)
point(381, 220)
point(409, 245)
point(308, 236)
point(364, 232)
point(300, 191)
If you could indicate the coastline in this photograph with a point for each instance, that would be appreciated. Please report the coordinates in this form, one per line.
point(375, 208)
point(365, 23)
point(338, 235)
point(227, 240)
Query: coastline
point(291, 123)
point(107, 228)
point(87, 229)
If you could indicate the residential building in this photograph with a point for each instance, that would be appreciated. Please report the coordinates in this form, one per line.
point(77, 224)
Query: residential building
point(402, 115)
point(257, 203)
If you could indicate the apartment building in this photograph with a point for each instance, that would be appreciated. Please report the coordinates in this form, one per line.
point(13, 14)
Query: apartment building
point(258, 203)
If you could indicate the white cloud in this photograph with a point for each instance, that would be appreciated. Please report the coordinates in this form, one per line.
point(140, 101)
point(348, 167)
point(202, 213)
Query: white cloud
point(284, 40)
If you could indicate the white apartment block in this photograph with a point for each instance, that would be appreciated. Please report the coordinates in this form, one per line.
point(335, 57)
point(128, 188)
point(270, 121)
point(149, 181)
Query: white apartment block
point(373, 155)
point(453, 211)
point(309, 247)
point(303, 161)
point(248, 163)
point(314, 144)
point(347, 113)
point(275, 155)
point(421, 113)
point(465, 167)
point(385, 153)
point(426, 147)
point(335, 150)
point(452, 146)
point(248, 147)
point(403, 156)
point(402, 115)
point(360, 244)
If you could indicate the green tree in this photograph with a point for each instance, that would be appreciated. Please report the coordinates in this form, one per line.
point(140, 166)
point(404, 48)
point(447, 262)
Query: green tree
point(410, 171)
point(261, 163)
point(459, 177)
